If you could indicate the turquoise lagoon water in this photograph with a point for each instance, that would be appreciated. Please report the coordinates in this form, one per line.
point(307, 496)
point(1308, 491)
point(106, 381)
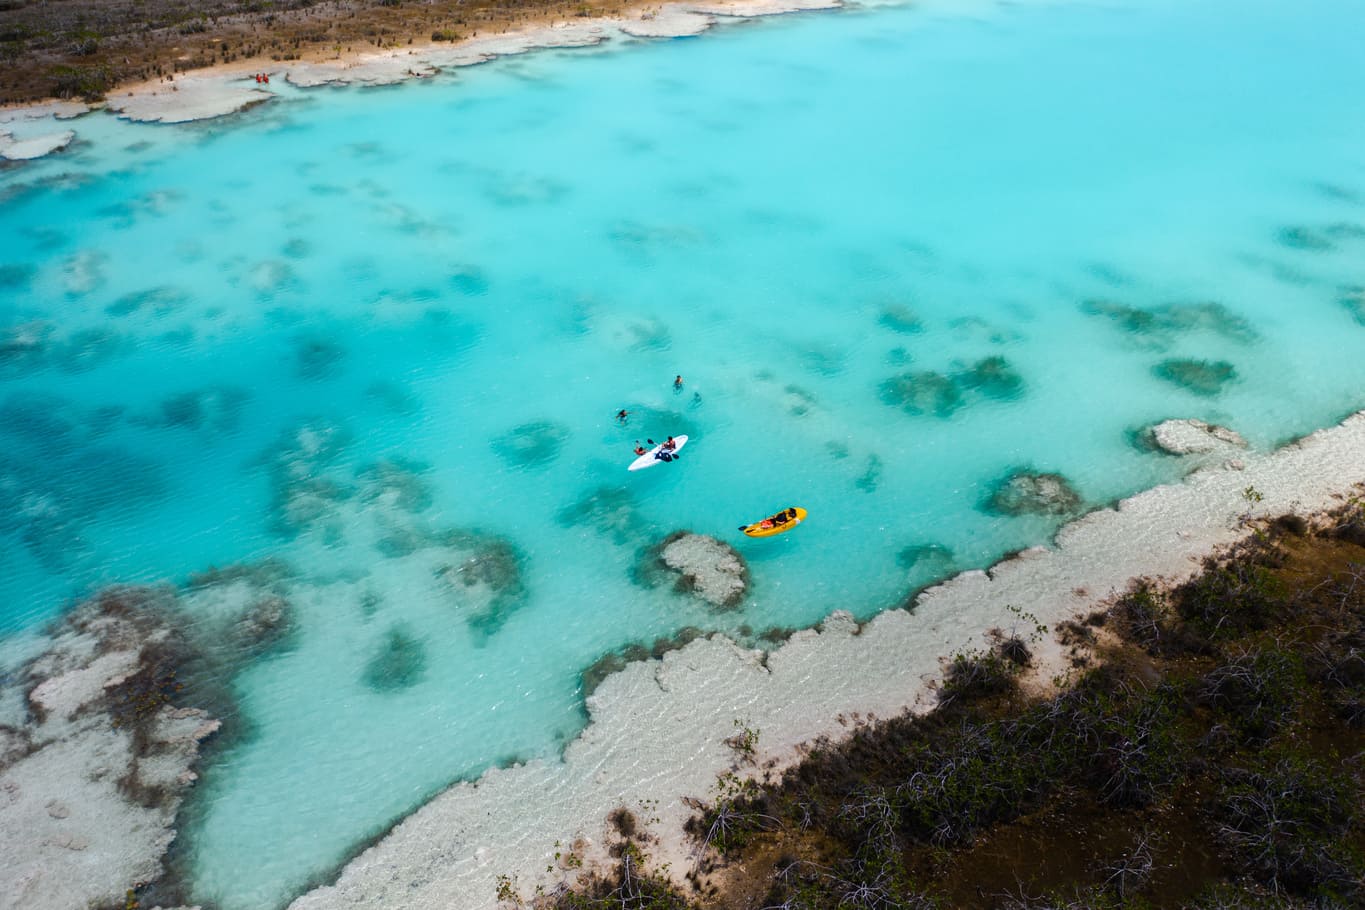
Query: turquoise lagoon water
point(788, 213)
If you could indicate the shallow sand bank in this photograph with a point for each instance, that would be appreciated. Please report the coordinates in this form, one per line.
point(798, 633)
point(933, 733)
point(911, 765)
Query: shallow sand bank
point(657, 729)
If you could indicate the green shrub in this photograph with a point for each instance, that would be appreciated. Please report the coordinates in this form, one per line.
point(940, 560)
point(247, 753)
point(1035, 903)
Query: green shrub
point(86, 82)
point(1238, 596)
point(975, 675)
point(1286, 825)
point(1257, 690)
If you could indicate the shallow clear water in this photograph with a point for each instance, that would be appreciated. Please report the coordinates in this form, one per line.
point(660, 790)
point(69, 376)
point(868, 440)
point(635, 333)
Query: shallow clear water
point(788, 213)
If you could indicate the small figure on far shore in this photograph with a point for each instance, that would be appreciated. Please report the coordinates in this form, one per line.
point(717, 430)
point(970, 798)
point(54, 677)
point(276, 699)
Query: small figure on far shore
point(622, 416)
point(677, 384)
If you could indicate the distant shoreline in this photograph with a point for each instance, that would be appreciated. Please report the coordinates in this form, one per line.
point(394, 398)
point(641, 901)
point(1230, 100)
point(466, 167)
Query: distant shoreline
point(203, 87)
point(111, 46)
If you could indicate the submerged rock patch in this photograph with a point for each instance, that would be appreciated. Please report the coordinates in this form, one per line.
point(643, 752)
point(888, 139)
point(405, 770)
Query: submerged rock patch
point(531, 445)
point(992, 377)
point(1298, 237)
point(155, 302)
point(1160, 327)
point(84, 272)
point(396, 483)
point(646, 335)
point(1202, 377)
point(934, 557)
point(921, 392)
point(55, 478)
point(303, 498)
point(15, 276)
point(318, 357)
point(899, 318)
point(484, 579)
point(87, 349)
point(37, 345)
point(822, 359)
point(871, 476)
point(23, 347)
point(797, 401)
point(1026, 492)
point(271, 277)
point(1352, 300)
point(610, 511)
point(469, 281)
point(399, 662)
point(218, 409)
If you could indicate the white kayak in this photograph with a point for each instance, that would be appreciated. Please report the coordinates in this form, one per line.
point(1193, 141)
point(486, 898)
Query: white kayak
point(651, 458)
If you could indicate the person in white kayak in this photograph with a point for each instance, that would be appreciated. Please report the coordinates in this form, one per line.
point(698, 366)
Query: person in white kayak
point(667, 449)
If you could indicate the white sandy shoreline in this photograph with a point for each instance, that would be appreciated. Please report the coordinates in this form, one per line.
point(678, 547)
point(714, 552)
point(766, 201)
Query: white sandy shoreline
point(225, 89)
point(655, 738)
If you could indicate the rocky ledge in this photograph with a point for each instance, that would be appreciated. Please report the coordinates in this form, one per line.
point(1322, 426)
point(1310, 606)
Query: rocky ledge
point(95, 756)
point(706, 568)
point(1192, 437)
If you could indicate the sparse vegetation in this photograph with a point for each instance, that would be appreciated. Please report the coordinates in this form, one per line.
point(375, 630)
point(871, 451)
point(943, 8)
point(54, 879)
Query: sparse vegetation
point(85, 50)
point(1223, 720)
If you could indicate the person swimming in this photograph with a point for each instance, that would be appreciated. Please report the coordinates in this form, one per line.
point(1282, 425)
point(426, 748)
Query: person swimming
point(677, 384)
point(622, 416)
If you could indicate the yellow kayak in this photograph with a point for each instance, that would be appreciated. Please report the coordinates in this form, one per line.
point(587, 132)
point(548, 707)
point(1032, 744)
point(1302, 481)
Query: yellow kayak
point(773, 525)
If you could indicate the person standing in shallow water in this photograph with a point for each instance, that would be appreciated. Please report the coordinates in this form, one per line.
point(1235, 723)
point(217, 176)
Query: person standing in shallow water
point(677, 384)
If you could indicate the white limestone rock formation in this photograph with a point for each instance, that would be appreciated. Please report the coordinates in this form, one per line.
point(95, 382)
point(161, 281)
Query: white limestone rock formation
point(1194, 437)
point(91, 781)
point(15, 149)
point(704, 567)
